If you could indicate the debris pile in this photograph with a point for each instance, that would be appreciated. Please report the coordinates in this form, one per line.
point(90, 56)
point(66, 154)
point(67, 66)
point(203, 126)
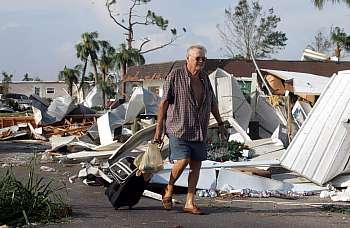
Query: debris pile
point(288, 139)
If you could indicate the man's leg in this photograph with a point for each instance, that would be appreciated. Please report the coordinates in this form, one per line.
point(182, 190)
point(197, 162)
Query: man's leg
point(193, 176)
point(176, 171)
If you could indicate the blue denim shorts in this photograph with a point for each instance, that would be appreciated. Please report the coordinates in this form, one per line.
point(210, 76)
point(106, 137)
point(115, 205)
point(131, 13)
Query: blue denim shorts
point(182, 149)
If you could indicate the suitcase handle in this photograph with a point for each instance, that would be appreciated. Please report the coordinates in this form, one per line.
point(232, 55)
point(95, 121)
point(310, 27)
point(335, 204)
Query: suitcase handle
point(123, 167)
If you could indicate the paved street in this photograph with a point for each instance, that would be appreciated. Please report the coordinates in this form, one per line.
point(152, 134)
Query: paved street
point(91, 208)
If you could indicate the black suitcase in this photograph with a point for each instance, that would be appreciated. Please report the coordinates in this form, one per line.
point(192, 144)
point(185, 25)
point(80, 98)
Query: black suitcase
point(127, 188)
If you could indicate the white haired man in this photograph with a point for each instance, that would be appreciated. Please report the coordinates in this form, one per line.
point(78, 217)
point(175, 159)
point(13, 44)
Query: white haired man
point(185, 108)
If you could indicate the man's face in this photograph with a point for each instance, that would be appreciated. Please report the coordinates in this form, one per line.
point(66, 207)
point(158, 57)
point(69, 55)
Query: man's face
point(196, 59)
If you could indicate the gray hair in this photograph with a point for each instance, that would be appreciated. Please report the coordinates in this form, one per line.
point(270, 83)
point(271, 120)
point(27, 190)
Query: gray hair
point(196, 46)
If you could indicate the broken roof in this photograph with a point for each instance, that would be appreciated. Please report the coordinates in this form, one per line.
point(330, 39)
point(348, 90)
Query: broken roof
point(320, 149)
point(239, 68)
point(303, 83)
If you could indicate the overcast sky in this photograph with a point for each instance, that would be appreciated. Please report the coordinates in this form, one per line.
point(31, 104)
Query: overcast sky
point(38, 36)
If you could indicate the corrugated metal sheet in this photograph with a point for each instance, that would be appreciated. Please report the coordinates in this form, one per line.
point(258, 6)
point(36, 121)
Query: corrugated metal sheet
point(321, 149)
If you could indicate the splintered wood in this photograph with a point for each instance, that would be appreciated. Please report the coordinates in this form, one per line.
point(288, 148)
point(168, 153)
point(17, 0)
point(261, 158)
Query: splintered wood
point(68, 128)
point(9, 121)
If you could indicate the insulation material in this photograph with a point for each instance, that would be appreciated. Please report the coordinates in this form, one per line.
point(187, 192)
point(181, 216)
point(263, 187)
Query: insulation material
point(276, 84)
point(320, 150)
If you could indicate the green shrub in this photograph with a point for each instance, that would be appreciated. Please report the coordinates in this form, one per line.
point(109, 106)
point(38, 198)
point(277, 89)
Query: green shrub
point(34, 201)
point(225, 151)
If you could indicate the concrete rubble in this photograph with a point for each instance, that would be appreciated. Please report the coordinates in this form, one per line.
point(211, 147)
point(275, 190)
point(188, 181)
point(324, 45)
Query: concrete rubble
point(291, 145)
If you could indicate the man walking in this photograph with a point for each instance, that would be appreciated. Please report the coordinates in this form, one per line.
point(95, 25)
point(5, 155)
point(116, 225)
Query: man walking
point(187, 102)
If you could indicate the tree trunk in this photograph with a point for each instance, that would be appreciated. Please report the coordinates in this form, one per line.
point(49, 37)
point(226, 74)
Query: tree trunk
point(82, 83)
point(337, 52)
point(123, 74)
point(94, 66)
point(103, 89)
point(71, 89)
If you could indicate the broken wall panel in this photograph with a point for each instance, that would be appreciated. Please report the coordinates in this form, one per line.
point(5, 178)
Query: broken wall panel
point(240, 180)
point(232, 102)
point(320, 150)
point(141, 101)
point(207, 178)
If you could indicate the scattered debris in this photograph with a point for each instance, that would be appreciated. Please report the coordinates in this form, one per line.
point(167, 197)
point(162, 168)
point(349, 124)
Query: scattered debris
point(336, 195)
point(47, 169)
point(320, 149)
point(281, 124)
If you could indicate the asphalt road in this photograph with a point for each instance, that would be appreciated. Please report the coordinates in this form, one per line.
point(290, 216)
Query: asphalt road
point(91, 207)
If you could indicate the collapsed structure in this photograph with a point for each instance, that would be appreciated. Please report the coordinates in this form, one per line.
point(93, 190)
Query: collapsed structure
point(295, 120)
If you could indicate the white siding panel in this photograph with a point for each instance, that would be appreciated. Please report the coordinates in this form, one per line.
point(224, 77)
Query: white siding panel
point(321, 149)
point(231, 100)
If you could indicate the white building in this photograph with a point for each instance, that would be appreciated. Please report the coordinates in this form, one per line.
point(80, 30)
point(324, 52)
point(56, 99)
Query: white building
point(45, 89)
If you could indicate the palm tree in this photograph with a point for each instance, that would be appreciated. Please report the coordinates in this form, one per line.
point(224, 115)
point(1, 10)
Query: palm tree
point(7, 78)
point(340, 39)
point(27, 78)
point(88, 47)
point(106, 63)
point(83, 55)
point(69, 76)
point(320, 3)
point(128, 57)
point(90, 77)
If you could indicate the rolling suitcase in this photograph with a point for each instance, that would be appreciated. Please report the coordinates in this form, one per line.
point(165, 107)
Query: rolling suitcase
point(127, 187)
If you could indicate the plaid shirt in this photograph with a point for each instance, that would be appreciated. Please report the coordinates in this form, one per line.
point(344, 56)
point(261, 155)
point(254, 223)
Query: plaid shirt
point(185, 118)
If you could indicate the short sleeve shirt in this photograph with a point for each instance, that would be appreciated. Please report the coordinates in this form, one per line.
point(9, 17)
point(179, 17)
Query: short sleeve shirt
point(186, 119)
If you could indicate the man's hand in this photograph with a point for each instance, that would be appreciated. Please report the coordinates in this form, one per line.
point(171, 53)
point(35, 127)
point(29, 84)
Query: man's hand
point(163, 107)
point(158, 136)
point(157, 140)
point(223, 133)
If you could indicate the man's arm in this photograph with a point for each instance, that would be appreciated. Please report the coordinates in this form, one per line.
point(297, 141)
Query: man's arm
point(216, 114)
point(222, 130)
point(161, 116)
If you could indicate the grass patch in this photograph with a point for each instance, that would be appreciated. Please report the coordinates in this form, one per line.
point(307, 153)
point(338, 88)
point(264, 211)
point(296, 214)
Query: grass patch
point(32, 202)
point(343, 209)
